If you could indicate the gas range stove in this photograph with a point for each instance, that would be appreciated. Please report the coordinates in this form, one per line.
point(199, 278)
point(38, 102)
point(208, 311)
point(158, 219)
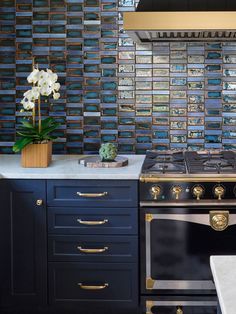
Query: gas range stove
point(196, 177)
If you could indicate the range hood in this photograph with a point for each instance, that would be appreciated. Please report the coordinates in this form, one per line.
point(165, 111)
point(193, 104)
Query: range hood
point(185, 20)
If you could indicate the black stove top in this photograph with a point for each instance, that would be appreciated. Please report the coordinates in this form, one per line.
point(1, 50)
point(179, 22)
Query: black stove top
point(164, 162)
point(190, 162)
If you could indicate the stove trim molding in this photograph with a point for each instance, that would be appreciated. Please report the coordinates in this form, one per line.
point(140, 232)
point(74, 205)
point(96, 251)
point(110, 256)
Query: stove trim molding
point(183, 178)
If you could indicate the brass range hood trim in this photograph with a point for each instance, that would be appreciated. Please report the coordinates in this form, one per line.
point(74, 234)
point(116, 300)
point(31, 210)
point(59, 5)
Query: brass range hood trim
point(189, 178)
point(148, 26)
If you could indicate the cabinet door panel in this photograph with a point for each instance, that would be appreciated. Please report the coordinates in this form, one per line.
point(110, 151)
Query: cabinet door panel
point(25, 232)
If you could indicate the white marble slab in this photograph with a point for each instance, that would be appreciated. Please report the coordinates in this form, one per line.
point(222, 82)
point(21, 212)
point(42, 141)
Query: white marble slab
point(67, 167)
point(224, 274)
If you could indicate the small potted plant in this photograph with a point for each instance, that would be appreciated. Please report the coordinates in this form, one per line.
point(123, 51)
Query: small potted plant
point(108, 152)
point(35, 139)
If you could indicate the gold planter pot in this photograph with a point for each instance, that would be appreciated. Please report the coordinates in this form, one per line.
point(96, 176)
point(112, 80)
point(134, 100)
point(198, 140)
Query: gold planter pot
point(36, 155)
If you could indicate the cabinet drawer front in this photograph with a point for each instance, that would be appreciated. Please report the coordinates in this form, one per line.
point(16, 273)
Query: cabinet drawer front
point(93, 248)
point(185, 304)
point(96, 193)
point(71, 282)
point(62, 220)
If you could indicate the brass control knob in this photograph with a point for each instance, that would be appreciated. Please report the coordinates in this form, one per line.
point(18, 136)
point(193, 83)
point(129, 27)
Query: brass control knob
point(155, 191)
point(179, 310)
point(198, 191)
point(219, 191)
point(177, 190)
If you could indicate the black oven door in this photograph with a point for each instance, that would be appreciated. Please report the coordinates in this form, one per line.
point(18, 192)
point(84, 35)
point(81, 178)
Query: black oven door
point(176, 245)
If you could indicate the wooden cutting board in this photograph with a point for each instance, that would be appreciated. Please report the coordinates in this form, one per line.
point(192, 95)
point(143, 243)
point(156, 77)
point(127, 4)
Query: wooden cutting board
point(95, 162)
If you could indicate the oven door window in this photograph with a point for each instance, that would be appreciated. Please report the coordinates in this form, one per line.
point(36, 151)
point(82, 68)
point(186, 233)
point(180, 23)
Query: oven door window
point(178, 248)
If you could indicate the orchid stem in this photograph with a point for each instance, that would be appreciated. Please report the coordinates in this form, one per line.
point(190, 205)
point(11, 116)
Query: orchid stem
point(39, 114)
point(33, 114)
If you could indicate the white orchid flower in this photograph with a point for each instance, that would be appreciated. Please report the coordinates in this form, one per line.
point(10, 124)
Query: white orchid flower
point(27, 104)
point(56, 96)
point(45, 90)
point(32, 94)
point(35, 92)
point(33, 77)
point(28, 94)
point(52, 76)
point(56, 86)
point(43, 75)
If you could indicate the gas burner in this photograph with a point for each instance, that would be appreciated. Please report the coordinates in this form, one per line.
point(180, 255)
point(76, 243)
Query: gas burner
point(219, 162)
point(158, 162)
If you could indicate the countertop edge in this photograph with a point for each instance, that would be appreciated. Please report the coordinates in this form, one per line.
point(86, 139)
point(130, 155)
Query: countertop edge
point(222, 272)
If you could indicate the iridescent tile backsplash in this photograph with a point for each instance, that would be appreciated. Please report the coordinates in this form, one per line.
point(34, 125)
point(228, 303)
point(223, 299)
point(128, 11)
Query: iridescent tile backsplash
point(153, 96)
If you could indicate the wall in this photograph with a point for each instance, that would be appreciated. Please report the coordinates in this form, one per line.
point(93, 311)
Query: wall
point(178, 95)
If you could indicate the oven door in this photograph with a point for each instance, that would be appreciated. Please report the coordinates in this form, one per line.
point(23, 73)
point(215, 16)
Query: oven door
point(176, 244)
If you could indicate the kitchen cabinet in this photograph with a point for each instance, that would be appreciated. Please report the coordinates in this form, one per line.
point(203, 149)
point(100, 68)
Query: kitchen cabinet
point(69, 246)
point(93, 245)
point(23, 261)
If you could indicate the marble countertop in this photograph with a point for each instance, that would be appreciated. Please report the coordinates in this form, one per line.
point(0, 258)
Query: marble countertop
point(224, 274)
point(67, 167)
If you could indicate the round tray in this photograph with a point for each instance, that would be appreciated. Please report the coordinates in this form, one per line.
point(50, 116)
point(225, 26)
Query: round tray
point(95, 162)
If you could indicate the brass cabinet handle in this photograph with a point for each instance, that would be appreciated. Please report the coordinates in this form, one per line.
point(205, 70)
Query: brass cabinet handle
point(92, 223)
point(179, 310)
point(219, 220)
point(89, 251)
point(39, 202)
point(85, 287)
point(92, 195)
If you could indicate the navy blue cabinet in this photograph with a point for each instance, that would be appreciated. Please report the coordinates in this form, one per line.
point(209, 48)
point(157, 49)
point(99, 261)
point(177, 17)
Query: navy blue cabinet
point(23, 243)
point(68, 246)
point(93, 245)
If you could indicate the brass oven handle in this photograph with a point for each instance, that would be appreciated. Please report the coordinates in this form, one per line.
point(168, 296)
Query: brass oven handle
point(85, 287)
point(179, 310)
point(92, 250)
point(92, 223)
point(92, 195)
point(219, 220)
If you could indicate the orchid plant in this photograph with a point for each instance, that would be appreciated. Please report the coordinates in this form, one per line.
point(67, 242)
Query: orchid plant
point(38, 130)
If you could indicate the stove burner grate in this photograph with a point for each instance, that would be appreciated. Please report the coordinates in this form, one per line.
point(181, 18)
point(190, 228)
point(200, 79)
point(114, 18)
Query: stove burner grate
point(164, 163)
point(222, 162)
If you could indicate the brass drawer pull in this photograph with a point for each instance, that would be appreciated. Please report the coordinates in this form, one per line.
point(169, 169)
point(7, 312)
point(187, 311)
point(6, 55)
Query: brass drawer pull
point(91, 195)
point(85, 287)
point(92, 250)
point(92, 223)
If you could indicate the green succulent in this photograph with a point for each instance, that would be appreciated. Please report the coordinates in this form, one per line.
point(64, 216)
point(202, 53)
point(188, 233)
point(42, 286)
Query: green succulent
point(108, 152)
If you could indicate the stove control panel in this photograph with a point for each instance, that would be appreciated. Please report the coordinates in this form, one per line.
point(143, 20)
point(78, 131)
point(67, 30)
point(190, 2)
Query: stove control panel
point(171, 191)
